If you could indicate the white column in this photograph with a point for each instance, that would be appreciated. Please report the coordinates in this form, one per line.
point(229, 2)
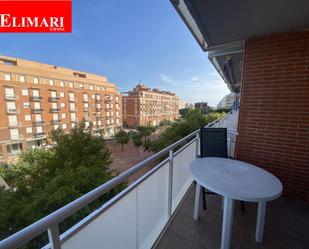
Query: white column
point(260, 221)
point(227, 223)
point(197, 200)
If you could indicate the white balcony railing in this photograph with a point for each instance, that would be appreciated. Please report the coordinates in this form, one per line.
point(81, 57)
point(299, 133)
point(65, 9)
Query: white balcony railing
point(132, 219)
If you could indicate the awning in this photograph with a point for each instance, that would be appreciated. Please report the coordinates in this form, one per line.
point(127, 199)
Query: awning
point(222, 26)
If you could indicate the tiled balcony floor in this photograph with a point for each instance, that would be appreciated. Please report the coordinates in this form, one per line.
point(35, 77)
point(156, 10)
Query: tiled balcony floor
point(286, 226)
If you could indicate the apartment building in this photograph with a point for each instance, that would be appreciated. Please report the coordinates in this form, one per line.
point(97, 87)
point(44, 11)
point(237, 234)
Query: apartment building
point(145, 106)
point(38, 98)
point(226, 101)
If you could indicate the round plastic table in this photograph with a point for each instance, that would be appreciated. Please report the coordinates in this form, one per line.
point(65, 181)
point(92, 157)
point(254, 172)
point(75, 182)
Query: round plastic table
point(234, 180)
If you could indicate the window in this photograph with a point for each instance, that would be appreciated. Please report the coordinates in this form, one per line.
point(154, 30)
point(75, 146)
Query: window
point(29, 129)
point(71, 84)
point(36, 93)
point(85, 97)
point(86, 124)
point(73, 117)
point(54, 106)
point(51, 82)
point(12, 120)
point(91, 87)
point(93, 96)
point(36, 80)
point(37, 105)
point(98, 105)
point(26, 105)
point(55, 116)
point(14, 148)
point(22, 78)
point(63, 115)
point(62, 83)
point(28, 117)
point(72, 106)
point(7, 77)
point(99, 122)
point(117, 98)
point(71, 96)
point(98, 97)
point(53, 94)
point(14, 133)
point(62, 94)
point(11, 106)
point(73, 125)
point(81, 85)
point(24, 92)
point(39, 129)
point(38, 117)
point(86, 105)
point(56, 127)
point(64, 126)
point(98, 88)
point(62, 105)
point(9, 92)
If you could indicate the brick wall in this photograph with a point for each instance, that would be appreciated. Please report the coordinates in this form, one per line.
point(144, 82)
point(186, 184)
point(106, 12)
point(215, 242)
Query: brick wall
point(274, 114)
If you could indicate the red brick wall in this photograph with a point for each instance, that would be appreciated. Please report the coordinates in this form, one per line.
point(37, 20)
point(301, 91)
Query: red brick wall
point(274, 114)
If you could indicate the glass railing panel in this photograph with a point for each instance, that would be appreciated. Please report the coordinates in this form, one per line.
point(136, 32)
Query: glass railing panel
point(114, 228)
point(181, 175)
point(152, 207)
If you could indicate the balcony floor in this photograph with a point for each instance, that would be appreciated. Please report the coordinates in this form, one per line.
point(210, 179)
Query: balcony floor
point(286, 226)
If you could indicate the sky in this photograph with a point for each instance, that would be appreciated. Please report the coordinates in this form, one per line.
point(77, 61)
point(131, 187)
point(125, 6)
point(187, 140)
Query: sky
point(128, 41)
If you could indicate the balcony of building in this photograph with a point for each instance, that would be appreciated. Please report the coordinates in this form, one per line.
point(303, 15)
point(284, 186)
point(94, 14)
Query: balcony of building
point(38, 122)
point(53, 99)
point(37, 110)
point(55, 121)
point(11, 97)
point(54, 110)
point(35, 98)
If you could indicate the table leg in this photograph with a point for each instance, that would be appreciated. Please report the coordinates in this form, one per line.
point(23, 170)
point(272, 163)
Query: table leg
point(227, 223)
point(260, 221)
point(197, 200)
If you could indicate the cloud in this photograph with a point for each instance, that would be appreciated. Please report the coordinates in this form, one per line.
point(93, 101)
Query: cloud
point(209, 88)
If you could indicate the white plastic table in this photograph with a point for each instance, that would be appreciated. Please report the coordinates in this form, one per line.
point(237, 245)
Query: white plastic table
point(234, 180)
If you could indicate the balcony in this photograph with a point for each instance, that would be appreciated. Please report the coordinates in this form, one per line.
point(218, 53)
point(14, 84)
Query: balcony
point(164, 198)
point(39, 134)
point(11, 97)
point(12, 110)
point(38, 122)
point(53, 110)
point(14, 124)
point(36, 98)
point(53, 99)
point(55, 121)
point(98, 109)
point(37, 110)
point(98, 100)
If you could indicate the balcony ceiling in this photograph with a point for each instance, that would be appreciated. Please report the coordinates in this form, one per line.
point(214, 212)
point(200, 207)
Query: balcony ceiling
point(221, 26)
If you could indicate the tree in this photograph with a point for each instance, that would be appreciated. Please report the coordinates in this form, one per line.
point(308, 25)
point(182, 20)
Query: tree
point(193, 120)
point(145, 131)
point(45, 180)
point(122, 138)
point(137, 141)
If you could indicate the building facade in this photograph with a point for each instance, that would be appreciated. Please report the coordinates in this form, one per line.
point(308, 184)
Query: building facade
point(226, 102)
point(38, 98)
point(145, 106)
point(202, 106)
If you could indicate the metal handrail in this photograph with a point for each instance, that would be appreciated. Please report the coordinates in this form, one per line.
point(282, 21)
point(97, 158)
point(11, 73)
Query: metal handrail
point(50, 222)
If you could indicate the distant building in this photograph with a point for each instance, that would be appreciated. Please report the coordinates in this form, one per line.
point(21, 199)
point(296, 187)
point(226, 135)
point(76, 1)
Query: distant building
point(38, 98)
point(183, 104)
point(202, 106)
point(226, 102)
point(145, 106)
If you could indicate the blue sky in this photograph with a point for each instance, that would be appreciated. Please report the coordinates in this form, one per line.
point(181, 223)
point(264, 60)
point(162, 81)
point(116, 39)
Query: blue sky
point(127, 41)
